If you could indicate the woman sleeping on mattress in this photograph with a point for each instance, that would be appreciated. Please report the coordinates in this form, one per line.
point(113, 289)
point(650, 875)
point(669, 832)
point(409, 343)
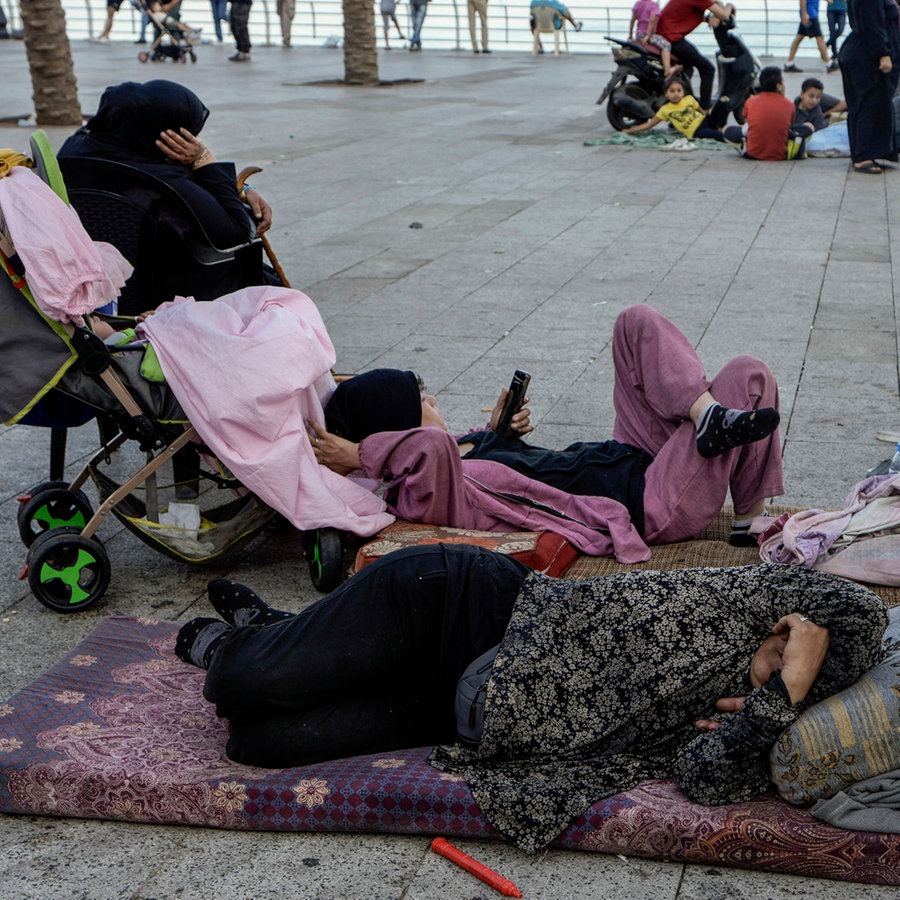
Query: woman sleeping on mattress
point(597, 685)
point(681, 441)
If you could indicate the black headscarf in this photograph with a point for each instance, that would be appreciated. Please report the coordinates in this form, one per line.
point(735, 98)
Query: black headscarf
point(131, 115)
point(378, 400)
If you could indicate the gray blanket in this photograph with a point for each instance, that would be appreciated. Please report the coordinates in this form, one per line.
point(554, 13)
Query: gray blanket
point(870, 805)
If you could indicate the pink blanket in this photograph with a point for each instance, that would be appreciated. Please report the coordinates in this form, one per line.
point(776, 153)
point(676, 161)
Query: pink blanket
point(68, 273)
point(248, 370)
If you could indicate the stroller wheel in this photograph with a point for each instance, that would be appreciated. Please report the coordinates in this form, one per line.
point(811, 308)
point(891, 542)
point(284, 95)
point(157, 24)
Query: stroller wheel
point(52, 506)
point(325, 556)
point(143, 56)
point(67, 572)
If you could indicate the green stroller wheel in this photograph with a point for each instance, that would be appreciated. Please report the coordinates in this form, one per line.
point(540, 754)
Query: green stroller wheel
point(67, 572)
point(52, 506)
point(325, 556)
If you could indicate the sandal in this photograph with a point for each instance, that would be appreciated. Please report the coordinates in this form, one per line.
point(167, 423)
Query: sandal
point(868, 168)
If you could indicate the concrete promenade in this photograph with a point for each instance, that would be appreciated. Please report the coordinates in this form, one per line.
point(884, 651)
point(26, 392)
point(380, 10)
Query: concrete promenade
point(530, 244)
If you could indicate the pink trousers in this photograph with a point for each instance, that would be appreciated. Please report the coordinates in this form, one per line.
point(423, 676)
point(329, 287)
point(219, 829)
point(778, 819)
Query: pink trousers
point(658, 376)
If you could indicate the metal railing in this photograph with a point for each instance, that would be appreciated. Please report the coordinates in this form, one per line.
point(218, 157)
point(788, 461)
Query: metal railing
point(768, 26)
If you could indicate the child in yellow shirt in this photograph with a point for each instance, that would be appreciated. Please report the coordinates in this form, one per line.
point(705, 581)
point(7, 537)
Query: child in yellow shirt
point(683, 111)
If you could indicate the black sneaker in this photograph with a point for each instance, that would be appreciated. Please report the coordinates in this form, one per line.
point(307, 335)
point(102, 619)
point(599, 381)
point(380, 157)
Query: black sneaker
point(791, 67)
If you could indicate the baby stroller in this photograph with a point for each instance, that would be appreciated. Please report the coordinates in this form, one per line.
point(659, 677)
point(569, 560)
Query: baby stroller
point(174, 40)
point(68, 569)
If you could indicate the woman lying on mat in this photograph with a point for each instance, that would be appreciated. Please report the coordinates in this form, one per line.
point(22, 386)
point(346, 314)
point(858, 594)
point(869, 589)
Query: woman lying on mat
point(680, 442)
point(597, 686)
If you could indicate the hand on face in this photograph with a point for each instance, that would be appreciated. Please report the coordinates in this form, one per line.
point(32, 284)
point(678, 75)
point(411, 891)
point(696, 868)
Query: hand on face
point(798, 647)
point(183, 147)
point(804, 652)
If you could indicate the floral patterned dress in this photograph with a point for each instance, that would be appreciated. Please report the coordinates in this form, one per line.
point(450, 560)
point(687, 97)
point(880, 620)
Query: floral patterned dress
point(597, 686)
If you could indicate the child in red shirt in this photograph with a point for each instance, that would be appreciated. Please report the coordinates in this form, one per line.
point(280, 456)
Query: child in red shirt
point(769, 119)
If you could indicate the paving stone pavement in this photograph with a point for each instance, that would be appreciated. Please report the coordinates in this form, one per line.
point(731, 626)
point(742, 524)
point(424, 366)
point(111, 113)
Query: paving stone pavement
point(530, 244)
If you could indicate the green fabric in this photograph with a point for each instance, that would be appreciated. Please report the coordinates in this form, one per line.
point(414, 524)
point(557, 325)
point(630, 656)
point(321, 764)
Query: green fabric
point(150, 367)
point(46, 165)
point(654, 139)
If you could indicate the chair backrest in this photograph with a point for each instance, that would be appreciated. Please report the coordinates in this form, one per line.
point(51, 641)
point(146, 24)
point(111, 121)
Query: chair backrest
point(157, 232)
point(545, 18)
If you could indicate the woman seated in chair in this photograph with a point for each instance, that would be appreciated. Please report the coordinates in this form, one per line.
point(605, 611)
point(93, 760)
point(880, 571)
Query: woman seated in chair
point(154, 127)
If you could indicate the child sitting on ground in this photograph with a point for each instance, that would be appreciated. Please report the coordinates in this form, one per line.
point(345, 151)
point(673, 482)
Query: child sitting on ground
point(683, 111)
point(769, 121)
point(815, 106)
point(808, 106)
point(645, 15)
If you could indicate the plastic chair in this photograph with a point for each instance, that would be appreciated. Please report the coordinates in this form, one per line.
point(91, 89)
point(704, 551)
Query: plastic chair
point(158, 233)
point(545, 19)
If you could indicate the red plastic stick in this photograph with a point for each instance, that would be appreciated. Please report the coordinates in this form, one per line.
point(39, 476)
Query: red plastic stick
point(479, 870)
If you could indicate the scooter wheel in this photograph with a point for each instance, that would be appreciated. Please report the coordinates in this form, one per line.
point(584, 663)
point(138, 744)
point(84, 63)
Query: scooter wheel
point(619, 118)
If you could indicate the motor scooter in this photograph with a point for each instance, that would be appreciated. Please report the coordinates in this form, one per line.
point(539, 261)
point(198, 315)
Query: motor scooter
point(636, 89)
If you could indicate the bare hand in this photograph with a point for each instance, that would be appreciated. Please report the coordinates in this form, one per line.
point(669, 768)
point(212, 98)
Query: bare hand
point(885, 65)
point(183, 147)
point(260, 210)
point(144, 315)
point(725, 704)
point(804, 653)
point(521, 420)
point(332, 451)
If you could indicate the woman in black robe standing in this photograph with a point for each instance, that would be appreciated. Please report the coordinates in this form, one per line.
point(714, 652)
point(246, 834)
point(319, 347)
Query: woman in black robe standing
point(870, 67)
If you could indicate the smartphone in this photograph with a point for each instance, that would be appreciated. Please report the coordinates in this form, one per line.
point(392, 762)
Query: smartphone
point(515, 397)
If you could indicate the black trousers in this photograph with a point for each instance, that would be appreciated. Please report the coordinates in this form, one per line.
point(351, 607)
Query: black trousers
point(369, 668)
point(240, 25)
point(870, 110)
point(689, 55)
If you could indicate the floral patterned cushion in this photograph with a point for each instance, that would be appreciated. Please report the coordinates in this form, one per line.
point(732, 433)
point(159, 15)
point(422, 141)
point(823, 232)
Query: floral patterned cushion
point(847, 738)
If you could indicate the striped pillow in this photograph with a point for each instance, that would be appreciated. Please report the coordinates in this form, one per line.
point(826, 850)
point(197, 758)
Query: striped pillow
point(847, 738)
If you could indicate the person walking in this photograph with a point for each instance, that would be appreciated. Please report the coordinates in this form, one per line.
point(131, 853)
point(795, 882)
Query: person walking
point(240, 29)
point(809, 28)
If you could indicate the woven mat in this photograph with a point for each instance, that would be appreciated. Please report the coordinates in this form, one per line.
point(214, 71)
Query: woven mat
point(118, 729)
point(710, 548)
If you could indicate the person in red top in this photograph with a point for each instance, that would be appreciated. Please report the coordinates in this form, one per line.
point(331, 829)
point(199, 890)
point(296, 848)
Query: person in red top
point(769, 119)
point(677, 20)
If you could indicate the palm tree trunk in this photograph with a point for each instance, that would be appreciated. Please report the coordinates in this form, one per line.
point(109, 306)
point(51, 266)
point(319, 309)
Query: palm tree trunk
point(360, 55)
point(50, 61)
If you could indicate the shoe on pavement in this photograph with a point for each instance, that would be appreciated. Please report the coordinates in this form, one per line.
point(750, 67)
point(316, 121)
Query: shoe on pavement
point(833, 66)
point(240, 56)
point(791, 67)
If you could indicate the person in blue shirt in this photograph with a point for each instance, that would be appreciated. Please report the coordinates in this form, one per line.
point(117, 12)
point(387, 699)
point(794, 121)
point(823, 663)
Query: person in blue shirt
point(809, 28)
